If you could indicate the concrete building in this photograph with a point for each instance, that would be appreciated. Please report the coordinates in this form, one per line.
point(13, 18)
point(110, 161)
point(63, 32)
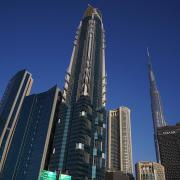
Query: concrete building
point(119, 141)
point(169, 148)
point(149, 171)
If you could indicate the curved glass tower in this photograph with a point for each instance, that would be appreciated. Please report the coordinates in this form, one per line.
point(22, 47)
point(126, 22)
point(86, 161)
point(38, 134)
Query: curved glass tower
point(79, 141)
point(17, 89)
point(156, 106)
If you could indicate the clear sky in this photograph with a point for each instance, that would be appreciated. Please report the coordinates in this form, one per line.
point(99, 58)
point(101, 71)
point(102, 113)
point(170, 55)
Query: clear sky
point(38, 35)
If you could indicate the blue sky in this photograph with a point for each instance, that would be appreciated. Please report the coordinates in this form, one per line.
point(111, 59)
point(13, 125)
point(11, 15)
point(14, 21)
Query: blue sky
point(38, 35)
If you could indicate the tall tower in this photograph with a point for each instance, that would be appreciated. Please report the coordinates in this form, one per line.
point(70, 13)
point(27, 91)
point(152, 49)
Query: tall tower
point(79, 140)
point(18, 87)
point(156, 105)
point(119, 141)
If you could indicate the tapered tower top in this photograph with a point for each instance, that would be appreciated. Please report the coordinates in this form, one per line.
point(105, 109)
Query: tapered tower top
point(151, 73)
point(91, 10)
point(156, 105)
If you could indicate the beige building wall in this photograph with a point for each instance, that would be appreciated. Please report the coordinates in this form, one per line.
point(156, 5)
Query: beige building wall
point(149, 170)
point(119, 140)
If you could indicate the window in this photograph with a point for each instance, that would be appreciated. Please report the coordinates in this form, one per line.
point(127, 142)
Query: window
point(80, 146)
point(95, 135)
point(83, 113)
point(59, 120)
point(94, 151)
point(54, 150)
point(88, 140)
point(104, 126)
point(93, 171)
point(86, 157)
point(96, 120)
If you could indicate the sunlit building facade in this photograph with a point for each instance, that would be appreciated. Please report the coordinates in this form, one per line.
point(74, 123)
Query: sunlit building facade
point(119, 141)
point(79, 140)
point(146, 170)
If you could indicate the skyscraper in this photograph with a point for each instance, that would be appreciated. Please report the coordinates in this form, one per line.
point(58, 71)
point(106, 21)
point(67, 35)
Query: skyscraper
point(18, 87)
point(119, 141)
point(149, 171)
point(79, 140)
point(156, 106)
point(31, 145)
point(169, 147)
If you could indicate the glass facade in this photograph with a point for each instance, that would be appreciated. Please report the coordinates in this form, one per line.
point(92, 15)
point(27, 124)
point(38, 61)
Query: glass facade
point(79, 139)
point(31, 145)
point(18, 87)
point(169, 147)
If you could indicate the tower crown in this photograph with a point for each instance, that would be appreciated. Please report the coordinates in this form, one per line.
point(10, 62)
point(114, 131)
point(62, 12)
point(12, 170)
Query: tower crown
point(91, 10)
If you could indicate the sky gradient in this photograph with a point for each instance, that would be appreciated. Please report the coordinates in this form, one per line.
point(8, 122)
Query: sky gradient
point(38, 35)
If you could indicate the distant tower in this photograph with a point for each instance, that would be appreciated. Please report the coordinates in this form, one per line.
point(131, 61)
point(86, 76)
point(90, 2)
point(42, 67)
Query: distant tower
point(18, 87)
point(119, 141)
point(79, 139)
point(156, 105)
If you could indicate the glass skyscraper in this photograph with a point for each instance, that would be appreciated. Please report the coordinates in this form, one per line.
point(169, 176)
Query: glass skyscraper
point(79, 141)
point(18, 87)
point(156, 106)
point(31, 145)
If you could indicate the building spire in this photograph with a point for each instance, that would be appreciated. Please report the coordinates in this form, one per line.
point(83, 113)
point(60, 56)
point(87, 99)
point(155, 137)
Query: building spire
point(156, 105)
point(151, 73)
point(149, 57)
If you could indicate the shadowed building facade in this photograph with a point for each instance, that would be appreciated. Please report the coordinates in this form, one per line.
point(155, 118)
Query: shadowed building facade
point(149, 171)
point(119, 141)
point(118, 175)
point(18, 87)
point(169, 147)
point(79, 140)
point(31, 145)
point(156, 106)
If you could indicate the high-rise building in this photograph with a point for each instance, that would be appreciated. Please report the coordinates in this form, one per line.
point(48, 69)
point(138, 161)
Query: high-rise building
point(169, 147)
point(149, 171)
point(18, 87)
point(79, 140)
point(119, 141)
point(156, 106)
point(31, 145)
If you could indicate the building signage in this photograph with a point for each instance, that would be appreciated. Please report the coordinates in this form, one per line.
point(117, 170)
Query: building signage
point(169, 132)
point(48, 175)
